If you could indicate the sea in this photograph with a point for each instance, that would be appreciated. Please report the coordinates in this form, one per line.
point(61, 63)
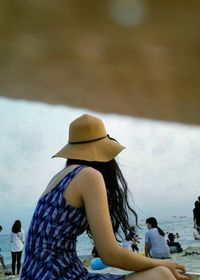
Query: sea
point(182, 225)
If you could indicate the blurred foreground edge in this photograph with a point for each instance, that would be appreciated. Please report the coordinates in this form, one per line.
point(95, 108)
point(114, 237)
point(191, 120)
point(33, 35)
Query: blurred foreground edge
point(132, 57)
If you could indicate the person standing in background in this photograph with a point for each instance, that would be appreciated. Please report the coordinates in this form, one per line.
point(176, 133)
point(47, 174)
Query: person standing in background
point(17, 245)
point(1, 256)
point(196, 219)
point(196, 215)
point(155, 244)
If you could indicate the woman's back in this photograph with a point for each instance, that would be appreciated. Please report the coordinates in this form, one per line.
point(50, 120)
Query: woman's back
point(17, 241)
point(56, 225)
point(54, 220)
point(51, 242)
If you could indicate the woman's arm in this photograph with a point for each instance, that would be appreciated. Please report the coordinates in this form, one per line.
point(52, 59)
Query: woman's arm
point(94, 196)
point(23, 236)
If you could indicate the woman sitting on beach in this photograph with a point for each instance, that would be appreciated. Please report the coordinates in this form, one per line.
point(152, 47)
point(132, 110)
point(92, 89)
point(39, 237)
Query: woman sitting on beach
point(89, 194)
point(155, 244)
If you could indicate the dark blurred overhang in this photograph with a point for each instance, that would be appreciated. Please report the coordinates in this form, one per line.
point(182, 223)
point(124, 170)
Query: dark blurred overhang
point(139, 58)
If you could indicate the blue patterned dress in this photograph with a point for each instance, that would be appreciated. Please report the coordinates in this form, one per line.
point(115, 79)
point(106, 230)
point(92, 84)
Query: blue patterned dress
point(50, 251)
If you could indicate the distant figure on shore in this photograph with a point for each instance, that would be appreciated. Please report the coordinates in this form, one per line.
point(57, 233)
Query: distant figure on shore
point(155, 244)
point(196, 215)
point(175, 247)
point(17, 239)
point(1, 256)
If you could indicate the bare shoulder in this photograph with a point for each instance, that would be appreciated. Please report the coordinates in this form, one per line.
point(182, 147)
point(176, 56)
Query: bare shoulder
point(91, 173)
point(90, 177)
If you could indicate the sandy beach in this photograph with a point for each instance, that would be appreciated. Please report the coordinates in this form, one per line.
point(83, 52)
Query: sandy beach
point(192, 264)
point(4, 277)
point(190, 257)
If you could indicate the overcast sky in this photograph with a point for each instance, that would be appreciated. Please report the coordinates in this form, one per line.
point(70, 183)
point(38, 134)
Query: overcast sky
point(161, 161)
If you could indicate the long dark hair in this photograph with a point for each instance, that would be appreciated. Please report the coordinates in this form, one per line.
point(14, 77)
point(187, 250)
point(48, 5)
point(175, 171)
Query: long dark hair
point(16, 226)
point(153, 222)
point(117, 193)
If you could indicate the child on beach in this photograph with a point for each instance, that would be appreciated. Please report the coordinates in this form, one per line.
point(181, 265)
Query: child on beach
point(89, 194)
point(175, 247)
point(131, 240)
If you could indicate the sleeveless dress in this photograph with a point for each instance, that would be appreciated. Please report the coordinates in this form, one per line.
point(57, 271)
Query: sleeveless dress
point(50, 251)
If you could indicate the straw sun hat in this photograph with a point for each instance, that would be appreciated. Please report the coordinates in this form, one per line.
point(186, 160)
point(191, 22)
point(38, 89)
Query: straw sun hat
point(89, 141)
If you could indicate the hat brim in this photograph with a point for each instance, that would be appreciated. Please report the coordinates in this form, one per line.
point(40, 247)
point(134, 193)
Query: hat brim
point(102, 150)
